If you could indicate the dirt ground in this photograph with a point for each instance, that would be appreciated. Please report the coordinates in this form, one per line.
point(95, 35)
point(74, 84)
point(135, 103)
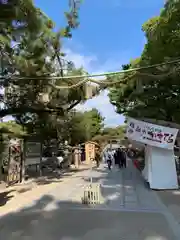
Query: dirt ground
point(19, 195)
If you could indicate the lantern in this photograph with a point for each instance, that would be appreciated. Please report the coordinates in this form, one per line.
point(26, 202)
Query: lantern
point(88, 91)
point(44, 98)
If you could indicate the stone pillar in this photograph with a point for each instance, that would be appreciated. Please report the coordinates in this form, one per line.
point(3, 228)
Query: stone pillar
point(76, 157)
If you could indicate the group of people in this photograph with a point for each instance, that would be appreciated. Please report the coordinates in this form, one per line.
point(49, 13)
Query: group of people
point(117, 156)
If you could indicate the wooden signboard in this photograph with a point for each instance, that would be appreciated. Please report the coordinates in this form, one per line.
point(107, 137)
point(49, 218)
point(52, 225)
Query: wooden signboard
point(90, 151)
point(14, 161)
point(33, 152)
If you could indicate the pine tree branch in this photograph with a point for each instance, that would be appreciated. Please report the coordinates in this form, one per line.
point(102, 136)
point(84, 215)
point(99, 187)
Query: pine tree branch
point(21, 110)
point(73, 105)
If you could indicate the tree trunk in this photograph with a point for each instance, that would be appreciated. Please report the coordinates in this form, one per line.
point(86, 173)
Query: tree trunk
point(41, 156)
point(23, 159)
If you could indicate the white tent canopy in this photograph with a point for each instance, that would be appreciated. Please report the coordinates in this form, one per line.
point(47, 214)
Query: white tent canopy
point(160, 168)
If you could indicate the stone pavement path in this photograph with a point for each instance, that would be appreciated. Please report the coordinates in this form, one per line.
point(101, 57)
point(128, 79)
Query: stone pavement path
point(130, 211)
point(125, 190)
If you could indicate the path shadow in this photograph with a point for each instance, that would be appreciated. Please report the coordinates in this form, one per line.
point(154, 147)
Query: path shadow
point(23, 190)
point(74, 221)
point(48, 218)
point(171, 199)
point(55, 176)
point(5, 197)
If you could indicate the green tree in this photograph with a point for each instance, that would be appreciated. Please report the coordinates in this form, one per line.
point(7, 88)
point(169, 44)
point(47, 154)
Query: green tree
point(37, 55)
point(109, 133)
point(86, 125)
point(153, 92)
point(34, 41)
point(13, 129)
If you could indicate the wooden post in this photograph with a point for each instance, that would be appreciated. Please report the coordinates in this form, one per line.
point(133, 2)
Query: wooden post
point(41, 153)
point(23, 159)
point(90, 151)
point(76, 157)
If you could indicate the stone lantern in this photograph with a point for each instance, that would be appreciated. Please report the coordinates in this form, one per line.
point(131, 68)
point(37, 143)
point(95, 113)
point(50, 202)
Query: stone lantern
point(44, 98)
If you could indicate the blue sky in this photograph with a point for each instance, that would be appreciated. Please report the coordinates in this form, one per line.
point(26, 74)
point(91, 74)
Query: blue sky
point(109, 35)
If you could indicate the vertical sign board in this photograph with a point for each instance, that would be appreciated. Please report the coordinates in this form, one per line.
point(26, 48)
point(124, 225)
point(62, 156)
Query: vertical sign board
point(151, 134)
point(90, 151)
point(14, 161)
point(33, 153)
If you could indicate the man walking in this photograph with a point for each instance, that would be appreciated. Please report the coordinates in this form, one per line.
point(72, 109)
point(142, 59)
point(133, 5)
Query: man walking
point(109, 159)
point(121, 158)
point(115, 158)
point(97, 157)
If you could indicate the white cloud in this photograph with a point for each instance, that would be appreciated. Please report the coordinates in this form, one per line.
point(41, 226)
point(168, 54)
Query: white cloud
point(101, 102)
point(80, 60)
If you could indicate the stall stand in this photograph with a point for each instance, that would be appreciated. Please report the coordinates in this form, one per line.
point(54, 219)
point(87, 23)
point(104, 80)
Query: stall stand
point(160, 167)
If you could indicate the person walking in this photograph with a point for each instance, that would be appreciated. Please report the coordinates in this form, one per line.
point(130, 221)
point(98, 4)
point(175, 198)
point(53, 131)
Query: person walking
point(116, 161)
point(98, 157)
point(123, 159)
point(118, 157)
point(109, 159)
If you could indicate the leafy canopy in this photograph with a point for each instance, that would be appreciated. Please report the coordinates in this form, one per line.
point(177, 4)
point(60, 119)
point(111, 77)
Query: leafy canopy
point(86, 125)
point(153, 92)
point(31, 48)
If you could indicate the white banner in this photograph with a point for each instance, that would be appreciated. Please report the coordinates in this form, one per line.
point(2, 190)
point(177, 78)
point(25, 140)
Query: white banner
point(151, 134)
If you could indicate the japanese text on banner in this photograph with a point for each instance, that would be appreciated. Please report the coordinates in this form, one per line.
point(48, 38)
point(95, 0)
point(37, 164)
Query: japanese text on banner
point(151, 134)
